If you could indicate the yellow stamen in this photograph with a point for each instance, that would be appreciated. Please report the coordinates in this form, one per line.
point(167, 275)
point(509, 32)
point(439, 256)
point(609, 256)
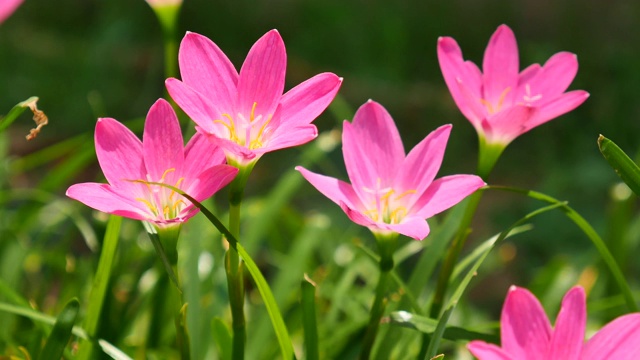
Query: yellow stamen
point(151, 207)
point(489, 105)
point(405, 194)
point(257, 143)
point(253, 110)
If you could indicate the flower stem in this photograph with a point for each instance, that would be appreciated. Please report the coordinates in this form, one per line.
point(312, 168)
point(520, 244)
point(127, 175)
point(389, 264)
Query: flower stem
point(233, 265)
point(487, 157)
point(165, 241)
point(386, 245)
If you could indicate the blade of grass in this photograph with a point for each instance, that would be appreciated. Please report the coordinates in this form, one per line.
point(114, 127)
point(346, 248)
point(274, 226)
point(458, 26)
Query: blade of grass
point(59, 337)
point(100, 285)
point(588, 230)
point(457, 294)
point(222, 337)
point(29, 313)
point(428, 326)
point(621, 163)
point(15, 112)
point(309, 321)
point(280, 328)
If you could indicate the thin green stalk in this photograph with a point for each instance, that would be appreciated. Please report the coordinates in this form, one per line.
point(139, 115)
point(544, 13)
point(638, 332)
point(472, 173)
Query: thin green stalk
point(100, 286)
point(591, 233)
point(386, 245)
point(233, 266)
point(261, 283)
point(453, 253)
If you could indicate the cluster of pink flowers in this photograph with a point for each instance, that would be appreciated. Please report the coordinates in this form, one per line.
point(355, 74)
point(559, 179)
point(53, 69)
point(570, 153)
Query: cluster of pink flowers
point(242, 115)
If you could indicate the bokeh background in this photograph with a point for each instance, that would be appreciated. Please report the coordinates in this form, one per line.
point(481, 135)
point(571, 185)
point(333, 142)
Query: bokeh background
point(91, 58)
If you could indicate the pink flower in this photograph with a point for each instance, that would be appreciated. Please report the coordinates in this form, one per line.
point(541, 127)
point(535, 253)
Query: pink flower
point(391, 192)
point(161, 157)
point(527, 335)
point(246, 113)
point(501, 103)
point(7, 7)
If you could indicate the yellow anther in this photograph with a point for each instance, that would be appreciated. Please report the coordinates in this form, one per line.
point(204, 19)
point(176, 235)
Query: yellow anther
point(151, 207)
point(397, 214)
point(253, 111)
point(165, 174)
point(489, 105)
point(405, 194)
point(176, 185)
point(257, 143)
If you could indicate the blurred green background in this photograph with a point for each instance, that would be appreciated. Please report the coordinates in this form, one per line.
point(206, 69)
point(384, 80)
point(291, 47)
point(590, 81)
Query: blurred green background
point(90, 58)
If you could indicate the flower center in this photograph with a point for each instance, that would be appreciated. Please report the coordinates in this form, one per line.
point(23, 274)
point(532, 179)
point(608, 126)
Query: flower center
point(246, 132)
point(494, 108)
point(387, 206)
point(163, 203)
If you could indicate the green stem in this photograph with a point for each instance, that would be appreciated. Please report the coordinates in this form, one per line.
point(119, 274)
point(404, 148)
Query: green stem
point(386, 244)
point(488, 155)
point(453, 253)
point(233, 265)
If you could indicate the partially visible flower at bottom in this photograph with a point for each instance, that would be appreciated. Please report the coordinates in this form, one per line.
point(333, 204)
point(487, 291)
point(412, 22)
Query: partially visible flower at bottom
point(527, 334)
point(391, 192)
point(130, 164)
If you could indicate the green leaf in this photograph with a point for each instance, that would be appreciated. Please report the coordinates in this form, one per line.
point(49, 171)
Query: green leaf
point(309, 320)
point(222, 337)
point(15, 112)
point(59, 337)
point(39, 317)
point(621, 163)
point(457, 294)
point(100, 284)
point(428, 326)
point(588, 230)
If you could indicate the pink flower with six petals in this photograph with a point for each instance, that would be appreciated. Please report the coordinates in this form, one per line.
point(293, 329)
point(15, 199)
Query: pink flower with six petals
point(501, 102)
point(527, 334)
point(246, 113)
point(161, 157)
point(391, 192)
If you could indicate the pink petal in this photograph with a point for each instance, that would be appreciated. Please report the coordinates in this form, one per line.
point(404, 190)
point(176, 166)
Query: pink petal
point(119, 153)
point(568, 334)
point(456, 71)
point(500, 65)
point(485, 351)
point(197, 106)
point(476, 111)
point(444, 193)
point(210, 180)
point(102, 198)
point(420, 167)
point(262, 75)
point(336, 190)
point(289, 137)
point(7, 7)
point(200, 154)
point(162, 143)
point(372, 148)
point(413, 227)
point(360, 218)
point(618, 340)
point(559, 106)
point(555, 76)
point(302, 104)
point(207, 70)
point(524, 327)
point(508, 124)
